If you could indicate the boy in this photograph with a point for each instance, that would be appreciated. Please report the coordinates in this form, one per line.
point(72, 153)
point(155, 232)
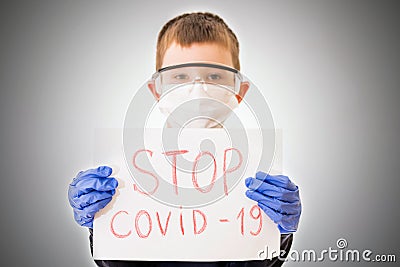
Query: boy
point(195, 38)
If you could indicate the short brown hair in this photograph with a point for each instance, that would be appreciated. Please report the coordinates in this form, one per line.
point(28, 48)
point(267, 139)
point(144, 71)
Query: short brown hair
point(199, 27)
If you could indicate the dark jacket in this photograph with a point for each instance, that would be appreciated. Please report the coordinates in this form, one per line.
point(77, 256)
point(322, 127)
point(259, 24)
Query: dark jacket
point(286, 243)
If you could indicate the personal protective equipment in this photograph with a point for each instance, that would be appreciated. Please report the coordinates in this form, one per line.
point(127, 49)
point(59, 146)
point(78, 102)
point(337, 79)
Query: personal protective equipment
point(90, 191)
point(278, 197)
point(190, 107)
point(197, 95)
point(173, 76)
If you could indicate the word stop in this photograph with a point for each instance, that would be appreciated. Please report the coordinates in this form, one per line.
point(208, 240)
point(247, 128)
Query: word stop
point(194, 173)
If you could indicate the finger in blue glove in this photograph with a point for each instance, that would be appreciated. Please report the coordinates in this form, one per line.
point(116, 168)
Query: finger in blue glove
point(278, 197)
point(271, 190)
point(90, 191)
point(286, 223)
point(85, 216)
point(285, 208)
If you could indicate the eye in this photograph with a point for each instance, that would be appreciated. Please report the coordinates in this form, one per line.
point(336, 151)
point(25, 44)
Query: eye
point(181, 76)
point(214, 77)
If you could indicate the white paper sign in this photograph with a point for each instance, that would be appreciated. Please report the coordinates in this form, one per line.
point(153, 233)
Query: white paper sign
point(185, 202)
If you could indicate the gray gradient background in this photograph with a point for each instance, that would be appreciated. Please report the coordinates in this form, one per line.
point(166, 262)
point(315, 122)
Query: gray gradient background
point(329, 70)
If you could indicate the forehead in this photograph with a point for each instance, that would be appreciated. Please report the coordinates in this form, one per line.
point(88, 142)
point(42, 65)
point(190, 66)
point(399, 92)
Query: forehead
point(197, 52)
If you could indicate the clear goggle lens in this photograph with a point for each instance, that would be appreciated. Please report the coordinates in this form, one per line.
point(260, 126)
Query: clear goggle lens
point(215, 79)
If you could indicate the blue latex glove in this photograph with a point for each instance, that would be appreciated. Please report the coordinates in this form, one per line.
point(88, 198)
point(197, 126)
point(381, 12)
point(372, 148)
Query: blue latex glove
point(278, 197)
point(90, 191)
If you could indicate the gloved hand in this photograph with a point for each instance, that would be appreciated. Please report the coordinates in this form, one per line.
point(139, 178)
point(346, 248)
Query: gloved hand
point(278, 197)
point(89, 192)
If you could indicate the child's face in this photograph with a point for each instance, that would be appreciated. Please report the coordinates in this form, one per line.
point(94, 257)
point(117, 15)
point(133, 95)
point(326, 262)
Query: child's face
point(199, 52)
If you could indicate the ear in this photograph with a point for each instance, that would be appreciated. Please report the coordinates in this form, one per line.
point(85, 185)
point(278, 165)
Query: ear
point(244, 87)
point(152, 87)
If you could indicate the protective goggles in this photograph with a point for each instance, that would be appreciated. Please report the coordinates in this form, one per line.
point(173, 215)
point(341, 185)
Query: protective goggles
point(178, 76)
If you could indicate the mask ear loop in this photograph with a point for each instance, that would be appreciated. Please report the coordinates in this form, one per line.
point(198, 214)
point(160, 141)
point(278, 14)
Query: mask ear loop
point(158, 83)
point(238, 83)
point(155, 81)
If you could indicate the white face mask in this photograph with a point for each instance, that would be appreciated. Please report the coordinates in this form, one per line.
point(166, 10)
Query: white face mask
point(197, 105)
